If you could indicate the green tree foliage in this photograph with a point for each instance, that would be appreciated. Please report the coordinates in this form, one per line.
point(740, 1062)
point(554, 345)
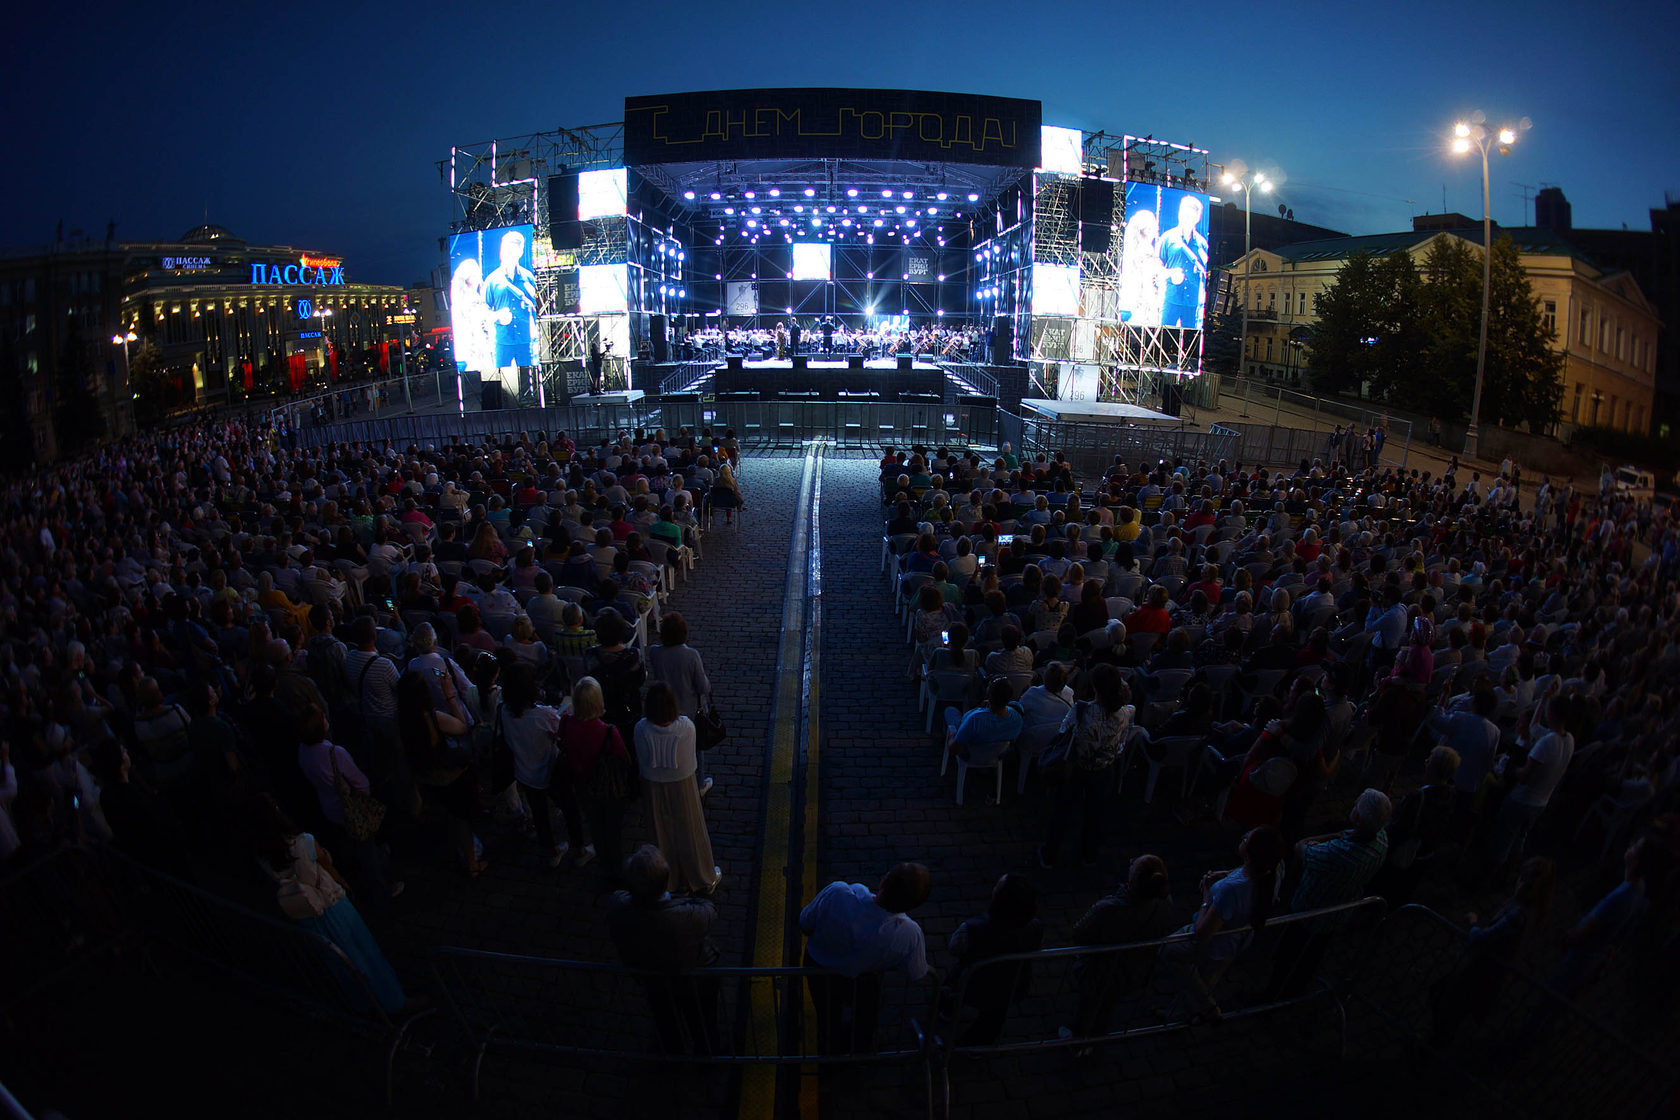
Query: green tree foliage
point(1224, 342)
point(77, 419)
point(145, 381)
point(1407, 335)
point(17, 438)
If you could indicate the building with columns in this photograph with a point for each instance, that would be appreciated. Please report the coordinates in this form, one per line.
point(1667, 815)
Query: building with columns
point(1606, 328)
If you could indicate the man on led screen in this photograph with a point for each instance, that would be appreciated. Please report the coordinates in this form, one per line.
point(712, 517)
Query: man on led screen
point(511, 294)
point(1184, 255)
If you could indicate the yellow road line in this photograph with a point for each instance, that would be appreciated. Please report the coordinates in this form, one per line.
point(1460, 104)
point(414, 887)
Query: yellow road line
point(758, 1081)
point(813, 687)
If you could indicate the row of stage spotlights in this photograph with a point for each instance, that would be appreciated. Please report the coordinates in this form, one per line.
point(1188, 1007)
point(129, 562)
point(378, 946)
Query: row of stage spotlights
point(810, 192)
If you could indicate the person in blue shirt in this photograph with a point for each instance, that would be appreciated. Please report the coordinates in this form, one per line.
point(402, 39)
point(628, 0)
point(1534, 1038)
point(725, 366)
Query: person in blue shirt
point(510, 292)
point(981, 735)
point(854, 935)
point(1184, 257)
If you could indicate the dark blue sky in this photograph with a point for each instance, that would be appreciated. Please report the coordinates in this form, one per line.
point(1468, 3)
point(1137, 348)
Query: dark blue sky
point(320, 125)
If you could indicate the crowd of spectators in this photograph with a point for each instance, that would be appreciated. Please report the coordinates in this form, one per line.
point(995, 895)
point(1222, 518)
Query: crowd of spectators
point(222, 652)
point(214, 641)
point(1494, 667)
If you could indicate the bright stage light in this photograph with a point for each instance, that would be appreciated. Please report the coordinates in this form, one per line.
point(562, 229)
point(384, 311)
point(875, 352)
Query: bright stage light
point(758, 209)
point(682, 293)
point(816, 221)
point(752, 223)
point(800, 209)
point(879, 222)
point(898, 209)
point(847, 222)
point(942, 196)
point(851, 192)
point(972, 197)
point(909, 221)
point(909, 194)
point(810, 192)
point(782, 222)
point(750, 196)
point(863, 209)
point(775, 192)
point(886, 194)
point(830, 209)
point(729, 210)
point(689, 195)
point(716, 196)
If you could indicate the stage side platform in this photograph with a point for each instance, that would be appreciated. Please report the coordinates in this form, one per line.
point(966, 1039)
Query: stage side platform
point(833, 379)
point(1109, 412)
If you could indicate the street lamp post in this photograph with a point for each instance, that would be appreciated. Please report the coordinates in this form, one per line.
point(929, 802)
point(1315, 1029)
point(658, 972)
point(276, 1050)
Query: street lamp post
point(1468, 134)
point(1246, 183)
point(127, 395)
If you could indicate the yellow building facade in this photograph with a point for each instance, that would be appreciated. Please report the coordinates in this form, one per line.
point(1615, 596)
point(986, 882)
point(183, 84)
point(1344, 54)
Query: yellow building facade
point(1604, 326)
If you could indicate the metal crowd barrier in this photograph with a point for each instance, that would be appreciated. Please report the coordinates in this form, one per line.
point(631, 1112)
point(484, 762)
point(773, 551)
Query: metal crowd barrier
point(1522, 1046)
point(184, 928)
point(720, 1016)
point(1091, 447)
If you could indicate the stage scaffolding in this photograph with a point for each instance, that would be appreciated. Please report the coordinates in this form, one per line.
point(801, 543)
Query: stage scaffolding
point(505, 182)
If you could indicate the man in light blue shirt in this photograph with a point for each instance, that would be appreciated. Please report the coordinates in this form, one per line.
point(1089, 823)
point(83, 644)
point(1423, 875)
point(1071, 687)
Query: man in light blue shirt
point(855, 935)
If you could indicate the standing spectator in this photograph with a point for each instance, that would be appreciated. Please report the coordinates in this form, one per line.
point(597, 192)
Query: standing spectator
point(665, 754)
point(530, 731)
point(331, 770)
point(1235, 907)
point(1142, 909)
point(442, 765)
point(1009, 925)
point(676, 663)
point(657, 933)
point(1335, 869)
point(855, 935)
point(1535, 779)
point(1100, 728)
point(584, 737)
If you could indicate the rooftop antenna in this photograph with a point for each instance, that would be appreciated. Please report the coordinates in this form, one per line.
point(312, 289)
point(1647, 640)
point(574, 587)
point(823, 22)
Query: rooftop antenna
point(1527, 195)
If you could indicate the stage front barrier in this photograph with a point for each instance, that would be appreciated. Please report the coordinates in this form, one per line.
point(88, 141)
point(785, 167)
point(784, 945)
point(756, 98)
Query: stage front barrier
point(1091, 446)
point(1521, 1046)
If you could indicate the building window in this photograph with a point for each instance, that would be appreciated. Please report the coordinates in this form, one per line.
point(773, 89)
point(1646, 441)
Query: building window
point(1603, 336)
point(1575, 411)
point(1639, 422)
point(1548, 316)
point(1286, 299)
point(1586, 327)
point(1621, 344)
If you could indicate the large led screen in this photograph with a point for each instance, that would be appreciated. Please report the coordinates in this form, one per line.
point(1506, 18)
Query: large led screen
point(811, 260)
point(603, 289)
point(1061, 150)
point(492, 298)
point(601, 194)
point(1164, 258)
point(1055, 289)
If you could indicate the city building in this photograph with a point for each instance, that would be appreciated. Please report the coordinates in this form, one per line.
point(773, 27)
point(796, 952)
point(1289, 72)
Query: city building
point(214, 318)
point(1606, 328)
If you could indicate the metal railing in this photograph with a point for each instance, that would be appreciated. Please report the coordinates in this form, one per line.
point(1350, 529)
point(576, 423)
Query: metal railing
point(1291, 409)
point(348, 399)
point(1522, 1046)
point(85, 898)
point(1091, 447)
point(716, 1016)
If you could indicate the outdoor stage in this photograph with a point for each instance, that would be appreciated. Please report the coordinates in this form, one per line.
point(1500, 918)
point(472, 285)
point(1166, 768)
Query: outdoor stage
point(1100, 412)
point(831, 379)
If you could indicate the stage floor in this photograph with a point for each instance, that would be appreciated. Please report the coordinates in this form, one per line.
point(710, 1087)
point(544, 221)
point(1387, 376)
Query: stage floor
point(833, 363)
point(1110, 411)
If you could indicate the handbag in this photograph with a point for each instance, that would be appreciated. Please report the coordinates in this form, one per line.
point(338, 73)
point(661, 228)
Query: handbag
point(709, 730)
point(363, 813)
point(1061, 747)
point(612, 777)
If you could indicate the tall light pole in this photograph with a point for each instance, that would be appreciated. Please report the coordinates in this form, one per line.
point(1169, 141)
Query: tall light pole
point(324, 314)
point(127, 394)
point(1238, 180)
point(1467, 135)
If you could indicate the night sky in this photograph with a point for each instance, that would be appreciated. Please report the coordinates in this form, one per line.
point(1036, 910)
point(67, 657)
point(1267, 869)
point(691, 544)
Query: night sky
point(320, 125)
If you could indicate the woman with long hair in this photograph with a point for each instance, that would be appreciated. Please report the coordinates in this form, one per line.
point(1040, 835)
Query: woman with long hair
point(666, 755)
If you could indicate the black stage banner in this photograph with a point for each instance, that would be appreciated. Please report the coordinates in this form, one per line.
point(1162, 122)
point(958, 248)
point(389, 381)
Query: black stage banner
point(880, 124)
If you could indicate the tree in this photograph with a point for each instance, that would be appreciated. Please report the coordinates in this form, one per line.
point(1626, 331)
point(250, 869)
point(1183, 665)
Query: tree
point(17, 437)
point(1350, 310)
point(1224, 342)
point(1523, 383)
point(77, 417)
point(145, 381)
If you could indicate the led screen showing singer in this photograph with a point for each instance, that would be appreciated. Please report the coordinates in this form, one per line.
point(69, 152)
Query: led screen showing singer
point(492, 298)
point(1164, 259)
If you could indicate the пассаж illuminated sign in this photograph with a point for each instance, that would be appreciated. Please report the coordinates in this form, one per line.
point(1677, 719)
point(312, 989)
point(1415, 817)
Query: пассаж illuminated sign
point(308, 270)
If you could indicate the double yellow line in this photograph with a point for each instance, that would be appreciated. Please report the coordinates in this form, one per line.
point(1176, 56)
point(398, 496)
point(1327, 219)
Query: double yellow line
point(798, 682)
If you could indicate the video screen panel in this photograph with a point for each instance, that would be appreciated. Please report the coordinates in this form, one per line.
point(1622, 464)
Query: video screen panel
point(1164, 257)
point(603, 289)
point(1061, 150)
point(1055, 289)
point(602, 194)
point(811, 260)
point(492, 298)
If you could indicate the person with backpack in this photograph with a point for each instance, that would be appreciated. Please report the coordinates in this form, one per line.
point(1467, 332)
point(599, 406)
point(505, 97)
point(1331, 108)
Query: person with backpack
point(618, 669)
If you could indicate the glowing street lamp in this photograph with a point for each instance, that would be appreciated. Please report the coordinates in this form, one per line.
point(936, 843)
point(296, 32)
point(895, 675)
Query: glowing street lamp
point(1467, 135)
point(1237, 178)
